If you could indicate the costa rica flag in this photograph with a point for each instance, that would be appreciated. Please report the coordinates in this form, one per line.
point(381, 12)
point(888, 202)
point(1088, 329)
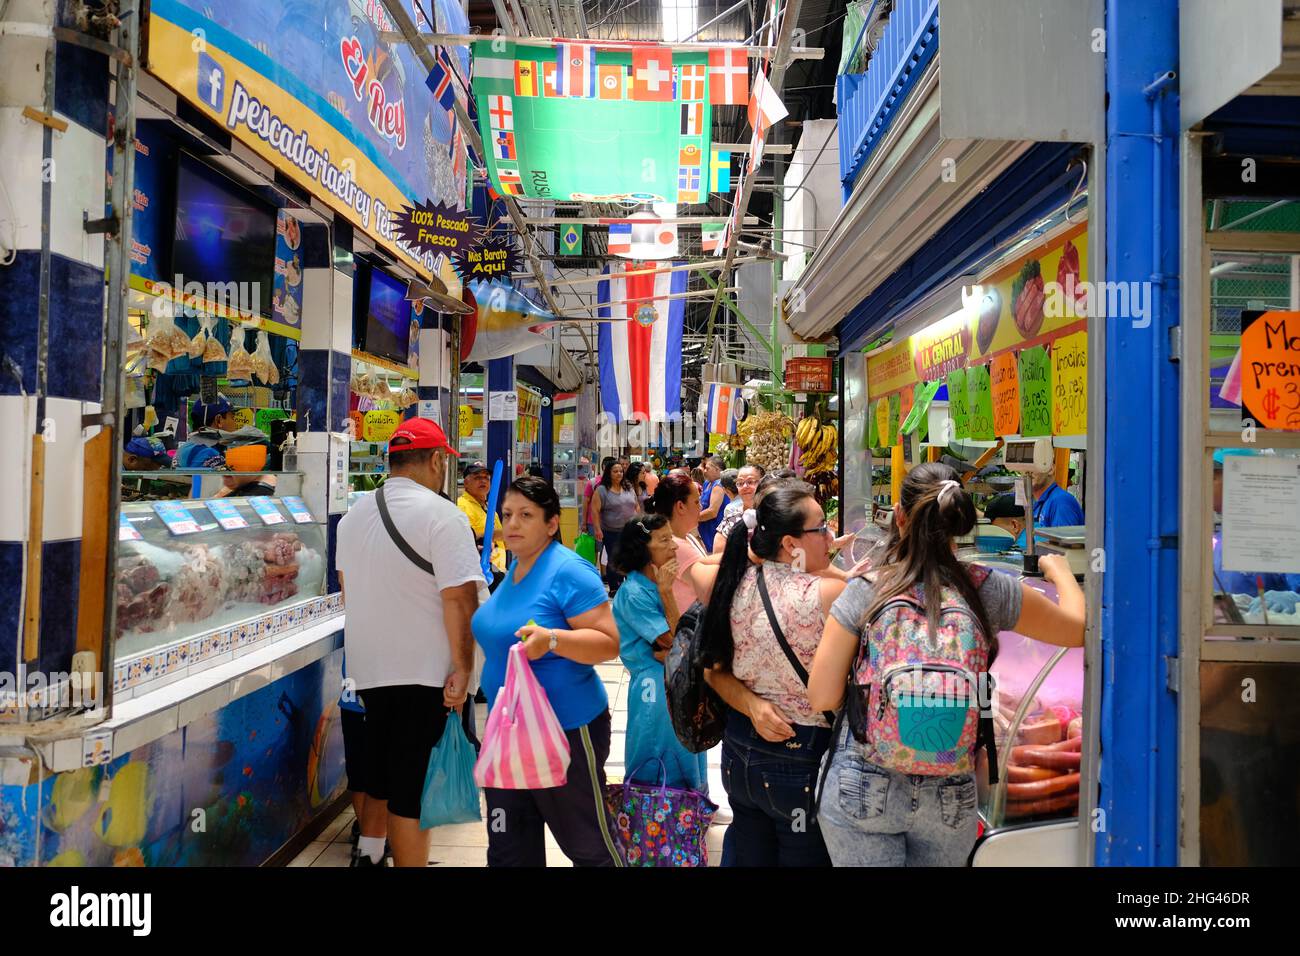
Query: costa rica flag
point(575, 70)
point(720, 409)
point(641, 349)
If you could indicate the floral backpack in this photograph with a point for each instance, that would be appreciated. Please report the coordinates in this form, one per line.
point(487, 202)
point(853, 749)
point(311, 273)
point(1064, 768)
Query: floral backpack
point(921, 704)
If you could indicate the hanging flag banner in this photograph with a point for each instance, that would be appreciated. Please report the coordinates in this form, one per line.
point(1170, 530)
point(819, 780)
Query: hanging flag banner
point(570, 240)
point(980, 393)
point(1070, 385)
point(640, 350)
point(600, 126)
point(1035, 392)
point(494, 258)
point(713, 236)
point(720, 171)
point(765, 106)
point(722, 404)
point(643, 236)
point(728, 77)
point(438, 229)
point(1006, 395)
point(1270, 369)
point(323, 97)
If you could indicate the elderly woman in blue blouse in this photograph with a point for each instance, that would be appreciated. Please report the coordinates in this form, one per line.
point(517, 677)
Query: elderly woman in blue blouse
point(647, 613)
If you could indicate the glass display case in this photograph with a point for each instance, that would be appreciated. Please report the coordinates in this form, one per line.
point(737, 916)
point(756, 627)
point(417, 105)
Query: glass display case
point(186, 567)
point(1038, 726)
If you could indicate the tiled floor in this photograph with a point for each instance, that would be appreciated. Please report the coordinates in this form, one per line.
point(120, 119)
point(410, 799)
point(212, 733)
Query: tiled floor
point(465, 844)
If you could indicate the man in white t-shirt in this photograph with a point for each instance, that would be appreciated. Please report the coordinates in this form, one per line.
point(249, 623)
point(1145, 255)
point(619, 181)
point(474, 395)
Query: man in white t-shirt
point(410, 591)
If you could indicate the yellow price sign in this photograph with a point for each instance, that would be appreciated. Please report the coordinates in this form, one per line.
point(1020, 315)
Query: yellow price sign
point(246, 417)
point(466, 420)
point(380, 425)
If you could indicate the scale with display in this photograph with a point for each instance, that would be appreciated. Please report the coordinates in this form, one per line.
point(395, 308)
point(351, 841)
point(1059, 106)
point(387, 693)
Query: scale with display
point(1026, 457)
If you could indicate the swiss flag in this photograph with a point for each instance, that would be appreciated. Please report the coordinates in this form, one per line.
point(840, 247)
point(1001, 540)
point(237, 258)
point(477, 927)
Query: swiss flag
point(652, 74)
point(728, 77)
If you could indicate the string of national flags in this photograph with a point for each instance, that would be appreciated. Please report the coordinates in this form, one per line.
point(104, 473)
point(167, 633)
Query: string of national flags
point(651, 77)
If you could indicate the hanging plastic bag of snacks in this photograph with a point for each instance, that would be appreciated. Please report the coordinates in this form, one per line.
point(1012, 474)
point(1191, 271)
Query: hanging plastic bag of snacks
point(263, 364)
point(200, 340)
point(240, 365)
point(212, 351)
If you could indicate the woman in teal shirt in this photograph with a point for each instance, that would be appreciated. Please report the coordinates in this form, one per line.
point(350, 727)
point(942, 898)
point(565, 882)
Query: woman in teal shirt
point(646, 613)
point(555, 603)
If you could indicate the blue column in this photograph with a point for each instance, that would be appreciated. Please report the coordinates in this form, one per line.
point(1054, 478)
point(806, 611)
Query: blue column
point(1139, 619)
point(546, 437)
point(500, 443)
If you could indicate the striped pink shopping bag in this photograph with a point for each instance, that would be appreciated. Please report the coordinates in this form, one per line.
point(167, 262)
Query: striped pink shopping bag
point(524, 747)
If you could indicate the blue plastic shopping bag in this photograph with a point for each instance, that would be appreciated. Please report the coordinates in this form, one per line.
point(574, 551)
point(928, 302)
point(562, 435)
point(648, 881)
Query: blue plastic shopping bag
point(450, 794)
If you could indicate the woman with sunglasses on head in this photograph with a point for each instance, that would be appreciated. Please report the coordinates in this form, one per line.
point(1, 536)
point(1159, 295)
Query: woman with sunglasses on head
point(774, 737)
point(553, 601)
point(872, 813)
point(677, 498)
point(646, 611)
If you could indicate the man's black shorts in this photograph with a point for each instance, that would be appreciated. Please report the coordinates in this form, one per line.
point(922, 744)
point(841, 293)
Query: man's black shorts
point(354, 749)
point(403, 725)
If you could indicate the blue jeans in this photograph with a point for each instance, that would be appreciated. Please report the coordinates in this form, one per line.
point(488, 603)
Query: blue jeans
point(770, 788)
point(871, 816)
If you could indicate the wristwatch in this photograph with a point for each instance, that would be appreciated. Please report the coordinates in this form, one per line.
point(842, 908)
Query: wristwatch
point(554, 640)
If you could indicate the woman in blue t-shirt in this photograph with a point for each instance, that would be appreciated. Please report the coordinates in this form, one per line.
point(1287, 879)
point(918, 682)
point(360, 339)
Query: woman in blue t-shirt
point(647, 613)
point(554, 602)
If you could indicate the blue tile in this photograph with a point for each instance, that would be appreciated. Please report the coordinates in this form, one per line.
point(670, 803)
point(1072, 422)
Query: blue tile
point(60, 585)
point(340, 376)
point(11, 576)
point(19, 285)
point(75, 343)
point(76, 330)
point(81, 84)
point(316, 251)
point(313, 389)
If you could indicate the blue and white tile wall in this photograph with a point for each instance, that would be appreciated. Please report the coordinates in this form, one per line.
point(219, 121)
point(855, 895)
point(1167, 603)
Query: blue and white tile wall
point(54, 177)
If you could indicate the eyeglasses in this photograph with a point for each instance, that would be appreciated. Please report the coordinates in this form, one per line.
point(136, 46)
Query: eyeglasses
point(743, 482)
point(822, 529)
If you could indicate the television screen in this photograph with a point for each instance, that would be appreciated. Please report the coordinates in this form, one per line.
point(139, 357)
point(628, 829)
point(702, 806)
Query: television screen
point(224, 234)
point(388, 318)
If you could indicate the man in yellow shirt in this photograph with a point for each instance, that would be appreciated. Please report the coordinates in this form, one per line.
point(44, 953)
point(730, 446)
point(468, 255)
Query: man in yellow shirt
point(473, 501)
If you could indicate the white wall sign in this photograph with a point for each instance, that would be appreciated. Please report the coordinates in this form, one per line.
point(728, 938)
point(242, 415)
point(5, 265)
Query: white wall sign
point(340, 449)
point(1261, 513)
point(503, 406)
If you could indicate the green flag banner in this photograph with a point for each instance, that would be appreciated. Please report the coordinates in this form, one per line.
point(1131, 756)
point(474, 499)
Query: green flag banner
point(1035, 392)
point(570, 123)
point(958, 404)
point(570, 240)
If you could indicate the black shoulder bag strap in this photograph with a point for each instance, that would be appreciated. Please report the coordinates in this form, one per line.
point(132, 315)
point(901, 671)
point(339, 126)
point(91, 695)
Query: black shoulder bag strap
point(785, 645)
point(396, 535)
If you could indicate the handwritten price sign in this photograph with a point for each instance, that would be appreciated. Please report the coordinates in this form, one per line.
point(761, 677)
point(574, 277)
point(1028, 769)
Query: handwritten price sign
point(1006, 395)
point(1270, 369)
point(979, 389)
point(1070, 385)
point(1035, 393)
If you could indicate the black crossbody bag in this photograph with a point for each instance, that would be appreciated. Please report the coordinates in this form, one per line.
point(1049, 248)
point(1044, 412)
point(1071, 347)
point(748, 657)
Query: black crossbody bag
point(402, 544)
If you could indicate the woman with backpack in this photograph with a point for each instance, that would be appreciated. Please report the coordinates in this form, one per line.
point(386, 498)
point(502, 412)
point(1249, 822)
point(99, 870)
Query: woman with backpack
point(894, 796)
point(762, 627)
point(646, 612)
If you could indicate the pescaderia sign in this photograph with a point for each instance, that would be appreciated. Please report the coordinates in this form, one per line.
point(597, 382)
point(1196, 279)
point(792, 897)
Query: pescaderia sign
point(323, 98)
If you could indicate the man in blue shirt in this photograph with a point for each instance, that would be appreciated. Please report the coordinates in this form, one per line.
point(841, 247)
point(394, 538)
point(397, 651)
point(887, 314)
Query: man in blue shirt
point(1054, 507)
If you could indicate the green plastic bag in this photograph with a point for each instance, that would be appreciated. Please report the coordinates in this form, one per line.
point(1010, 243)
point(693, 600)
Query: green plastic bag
point(585, 545)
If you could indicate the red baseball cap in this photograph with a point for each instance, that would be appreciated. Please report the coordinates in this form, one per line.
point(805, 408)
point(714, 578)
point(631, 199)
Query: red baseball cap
point(417, 433)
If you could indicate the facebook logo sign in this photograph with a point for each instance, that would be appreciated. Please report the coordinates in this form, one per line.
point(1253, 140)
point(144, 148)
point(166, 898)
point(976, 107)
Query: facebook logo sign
point(212, 82)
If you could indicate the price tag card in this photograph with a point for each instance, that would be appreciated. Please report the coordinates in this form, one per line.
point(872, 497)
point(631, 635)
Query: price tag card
point(126, 531)
point(223, 509)
point(266, 510)
point(176, 517)
point(297, 509)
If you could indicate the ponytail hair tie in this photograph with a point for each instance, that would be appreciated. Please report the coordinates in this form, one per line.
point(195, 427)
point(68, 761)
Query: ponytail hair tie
point(750, 517)
point(947, 487)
